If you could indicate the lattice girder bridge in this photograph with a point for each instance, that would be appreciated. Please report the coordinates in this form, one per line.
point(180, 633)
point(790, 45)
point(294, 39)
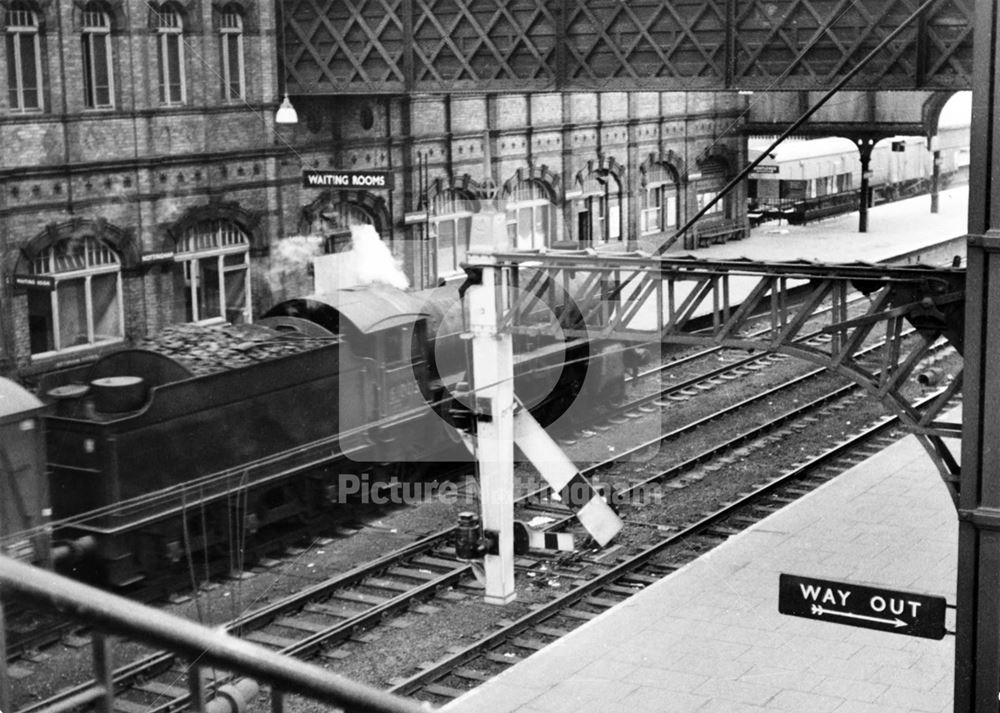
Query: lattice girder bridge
point(811, 309)
point(434, 46)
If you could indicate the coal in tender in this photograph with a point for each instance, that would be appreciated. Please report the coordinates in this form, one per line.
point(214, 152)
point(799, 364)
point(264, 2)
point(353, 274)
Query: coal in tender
point(211, 349)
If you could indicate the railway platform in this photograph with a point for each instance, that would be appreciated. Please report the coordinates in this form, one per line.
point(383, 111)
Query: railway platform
point(893, 228)
point(708, 638)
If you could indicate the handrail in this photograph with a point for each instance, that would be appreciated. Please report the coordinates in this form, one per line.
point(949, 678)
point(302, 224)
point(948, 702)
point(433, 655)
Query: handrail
point(200, 645)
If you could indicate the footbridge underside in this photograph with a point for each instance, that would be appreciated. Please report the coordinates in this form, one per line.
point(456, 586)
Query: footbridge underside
point(435, 46)
point(875, 324)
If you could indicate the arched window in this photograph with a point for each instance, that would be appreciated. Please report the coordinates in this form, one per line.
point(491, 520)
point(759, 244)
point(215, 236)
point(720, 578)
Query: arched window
point(450, 228)
point(84, 307)
point(212, 274)
point(231, 48)
point(708, 185)
point(659, 200)
point(337, 222)
point(529, 216)
point(98, 75)
point(599, 208)
point(170, 52)
point(24, 58)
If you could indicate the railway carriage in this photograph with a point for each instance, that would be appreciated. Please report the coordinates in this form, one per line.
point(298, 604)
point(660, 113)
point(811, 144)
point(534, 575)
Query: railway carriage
point(809, 179)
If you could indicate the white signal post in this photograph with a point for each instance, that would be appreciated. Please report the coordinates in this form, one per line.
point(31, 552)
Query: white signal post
point(499, 426)
point(493, 387)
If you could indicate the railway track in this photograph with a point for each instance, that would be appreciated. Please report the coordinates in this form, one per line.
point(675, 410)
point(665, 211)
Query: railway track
point(635, 569)
point(265, 547)
point(319, 620)
point(689, 380)
point(163, 585)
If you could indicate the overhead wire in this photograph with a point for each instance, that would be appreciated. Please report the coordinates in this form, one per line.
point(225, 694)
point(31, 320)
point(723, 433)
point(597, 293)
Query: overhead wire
point(840, 84)
point(201, 484)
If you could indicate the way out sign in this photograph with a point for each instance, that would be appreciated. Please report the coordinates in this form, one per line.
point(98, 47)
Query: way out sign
point(866, 607)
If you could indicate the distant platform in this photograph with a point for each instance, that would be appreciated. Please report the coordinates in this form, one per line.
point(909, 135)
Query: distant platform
point(709, 638)
point(893, 228)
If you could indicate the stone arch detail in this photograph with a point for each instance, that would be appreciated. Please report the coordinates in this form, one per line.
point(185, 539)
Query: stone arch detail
point(464, 184)
point(372, 204)
point(247, 10)
point(114, 8)
point(603, 163)
point(188, 10)
point(248, 221)
point(123, 241)
point(44, 9)
point(720, 154)
point(539, 174)
point(672, 160)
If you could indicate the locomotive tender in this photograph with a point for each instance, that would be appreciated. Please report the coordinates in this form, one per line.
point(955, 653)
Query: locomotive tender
point(200, 437)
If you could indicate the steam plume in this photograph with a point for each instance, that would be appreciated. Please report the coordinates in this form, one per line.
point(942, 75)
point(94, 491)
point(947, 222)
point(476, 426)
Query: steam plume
point(373, 261)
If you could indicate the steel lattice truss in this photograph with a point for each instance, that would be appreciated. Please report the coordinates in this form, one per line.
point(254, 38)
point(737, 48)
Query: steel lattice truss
point(652, 301)
point(393, 46)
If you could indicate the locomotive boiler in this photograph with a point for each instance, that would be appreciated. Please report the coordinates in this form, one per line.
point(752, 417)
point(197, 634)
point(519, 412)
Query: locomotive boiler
point(205, 435)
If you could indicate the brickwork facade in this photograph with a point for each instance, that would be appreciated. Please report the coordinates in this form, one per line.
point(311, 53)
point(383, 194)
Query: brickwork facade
point(137, 160)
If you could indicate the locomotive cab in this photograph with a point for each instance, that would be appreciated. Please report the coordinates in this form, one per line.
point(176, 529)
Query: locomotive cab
point(387, 329)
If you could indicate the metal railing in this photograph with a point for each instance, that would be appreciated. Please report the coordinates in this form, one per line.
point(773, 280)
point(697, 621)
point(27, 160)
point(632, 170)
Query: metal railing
point(202, 647)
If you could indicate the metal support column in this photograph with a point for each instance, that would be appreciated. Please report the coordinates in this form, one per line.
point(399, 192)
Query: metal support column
point(935, 174)
point(977, 629)
point(865, 147)
point(493, 384)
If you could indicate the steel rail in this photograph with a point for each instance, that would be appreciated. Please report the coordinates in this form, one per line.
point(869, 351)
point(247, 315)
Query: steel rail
point(623, 569)
point(196, 643)
point(158, 662)
point(154, 663)
point(542, 492)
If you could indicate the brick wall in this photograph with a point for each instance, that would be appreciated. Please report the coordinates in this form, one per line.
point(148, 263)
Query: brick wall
point(142, 167)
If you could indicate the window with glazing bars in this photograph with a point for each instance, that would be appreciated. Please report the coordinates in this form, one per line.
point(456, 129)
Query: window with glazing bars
point(529, 216)
point(211, 274)
point(231, 43)
point(170, 48)
point(24, 58)
point(451, 226)
point(85, 306)
point(659, 201)
point(98, 75)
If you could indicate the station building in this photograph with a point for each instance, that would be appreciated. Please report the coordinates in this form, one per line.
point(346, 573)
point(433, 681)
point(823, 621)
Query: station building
point(144, 181)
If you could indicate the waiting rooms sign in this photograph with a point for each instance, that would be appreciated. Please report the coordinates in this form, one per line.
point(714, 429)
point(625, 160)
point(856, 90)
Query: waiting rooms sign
point(354, 180)
point(34, 282)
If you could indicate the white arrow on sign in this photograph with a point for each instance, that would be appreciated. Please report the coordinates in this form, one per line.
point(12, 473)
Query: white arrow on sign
point(820, 611)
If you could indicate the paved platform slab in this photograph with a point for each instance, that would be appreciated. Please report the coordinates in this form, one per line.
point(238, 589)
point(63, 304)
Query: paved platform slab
point(892, 228)
point(709, 637)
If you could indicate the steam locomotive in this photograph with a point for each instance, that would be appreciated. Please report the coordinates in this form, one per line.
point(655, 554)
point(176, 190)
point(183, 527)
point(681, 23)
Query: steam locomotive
point(201, 436)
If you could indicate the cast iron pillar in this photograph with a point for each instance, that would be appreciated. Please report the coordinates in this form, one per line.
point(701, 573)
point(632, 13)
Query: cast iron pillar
point(977, 629)
point(935, 175)
point(865, 146)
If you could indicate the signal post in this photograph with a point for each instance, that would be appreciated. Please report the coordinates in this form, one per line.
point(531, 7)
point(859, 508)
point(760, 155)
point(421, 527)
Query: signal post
point(501, 421)
point(493, 409)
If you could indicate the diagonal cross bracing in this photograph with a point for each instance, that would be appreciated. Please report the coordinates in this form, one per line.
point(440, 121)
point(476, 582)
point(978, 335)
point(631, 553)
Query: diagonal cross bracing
point(362, 47)
point(809, 307)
